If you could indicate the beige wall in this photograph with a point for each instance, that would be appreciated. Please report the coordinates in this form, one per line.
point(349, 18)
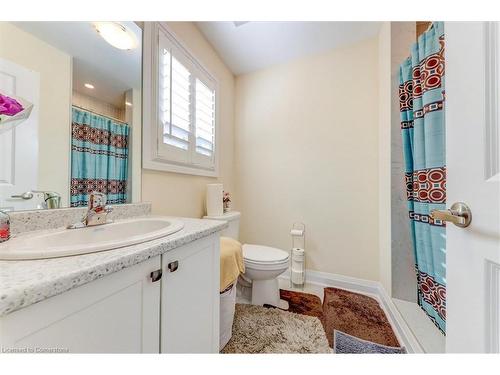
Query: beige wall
point(396, 255)
point(184, 195)
point(98, 106)
point(54, 67)
point(133, 115)
point(307, 150)
point(385, 98)
point(403, 262)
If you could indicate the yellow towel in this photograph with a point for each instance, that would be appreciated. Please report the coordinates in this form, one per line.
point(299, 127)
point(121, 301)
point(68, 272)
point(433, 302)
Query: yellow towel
point(231, 262)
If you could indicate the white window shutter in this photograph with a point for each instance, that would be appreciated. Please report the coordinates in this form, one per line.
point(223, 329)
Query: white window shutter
point(204, 149)
point(186, 133)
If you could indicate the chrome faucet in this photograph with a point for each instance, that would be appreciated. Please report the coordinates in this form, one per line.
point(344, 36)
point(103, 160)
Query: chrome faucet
point(51, 199)
point(97, 213)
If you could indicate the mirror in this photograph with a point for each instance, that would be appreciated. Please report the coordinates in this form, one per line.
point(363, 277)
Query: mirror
point(70, 113)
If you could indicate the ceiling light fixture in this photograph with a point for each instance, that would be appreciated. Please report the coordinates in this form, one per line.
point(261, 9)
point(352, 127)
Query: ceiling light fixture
point(116, 34)
point(128, 104)
point(89, 86)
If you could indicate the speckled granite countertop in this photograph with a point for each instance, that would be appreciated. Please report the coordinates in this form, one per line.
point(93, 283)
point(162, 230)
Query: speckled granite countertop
point(23, 283)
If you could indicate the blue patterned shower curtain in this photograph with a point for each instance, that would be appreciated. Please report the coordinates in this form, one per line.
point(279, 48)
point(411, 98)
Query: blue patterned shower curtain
point(421, 100)
point(99, 158)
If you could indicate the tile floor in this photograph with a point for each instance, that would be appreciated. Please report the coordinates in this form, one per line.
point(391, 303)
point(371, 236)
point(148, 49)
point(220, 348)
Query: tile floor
point(243, 295)
point(429, 337)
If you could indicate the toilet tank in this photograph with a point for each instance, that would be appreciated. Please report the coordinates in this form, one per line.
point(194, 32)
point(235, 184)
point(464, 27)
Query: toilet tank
point(233, 220)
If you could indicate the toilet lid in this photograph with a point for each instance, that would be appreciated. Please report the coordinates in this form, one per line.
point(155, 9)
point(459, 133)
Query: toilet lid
point(264, 254)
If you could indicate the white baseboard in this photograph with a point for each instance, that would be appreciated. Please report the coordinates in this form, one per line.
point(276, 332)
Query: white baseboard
point(373, 289)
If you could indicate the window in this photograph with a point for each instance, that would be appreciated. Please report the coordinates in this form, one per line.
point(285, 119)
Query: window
point(183, 135)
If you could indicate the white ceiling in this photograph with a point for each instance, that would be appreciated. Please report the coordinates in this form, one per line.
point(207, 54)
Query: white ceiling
point(110, 70)
point(256, 45)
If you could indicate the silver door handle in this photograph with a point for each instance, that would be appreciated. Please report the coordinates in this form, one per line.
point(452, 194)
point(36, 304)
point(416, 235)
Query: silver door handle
point(459, 214)
point(26, 196)
point(172, 266)
point(156, 275)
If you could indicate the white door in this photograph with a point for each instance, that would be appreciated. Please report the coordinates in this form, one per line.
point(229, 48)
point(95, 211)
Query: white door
point(19, 147)
point(472, 154)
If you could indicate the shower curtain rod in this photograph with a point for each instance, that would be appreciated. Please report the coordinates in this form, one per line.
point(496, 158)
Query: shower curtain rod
point(100, 114)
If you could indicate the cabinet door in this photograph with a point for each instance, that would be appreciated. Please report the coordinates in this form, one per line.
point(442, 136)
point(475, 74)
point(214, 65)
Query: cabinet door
point(190, 298)
point(118, 313)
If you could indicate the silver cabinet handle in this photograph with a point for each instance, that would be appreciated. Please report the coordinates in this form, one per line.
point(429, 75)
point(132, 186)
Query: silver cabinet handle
point(26, 196)
point(458, 214)
point(156, 275)
point(172, 266)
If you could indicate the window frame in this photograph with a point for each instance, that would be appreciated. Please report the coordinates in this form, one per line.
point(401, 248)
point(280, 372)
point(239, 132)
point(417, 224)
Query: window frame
point(153, 158)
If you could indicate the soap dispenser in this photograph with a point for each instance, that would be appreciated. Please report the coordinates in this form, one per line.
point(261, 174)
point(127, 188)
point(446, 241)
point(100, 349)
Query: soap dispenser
point(4, 226)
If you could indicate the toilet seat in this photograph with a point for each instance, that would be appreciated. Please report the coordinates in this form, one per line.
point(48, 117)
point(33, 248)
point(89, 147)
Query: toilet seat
point(264, 256)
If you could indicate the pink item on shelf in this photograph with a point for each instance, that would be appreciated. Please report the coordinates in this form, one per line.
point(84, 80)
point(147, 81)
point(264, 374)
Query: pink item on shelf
point(9, 106)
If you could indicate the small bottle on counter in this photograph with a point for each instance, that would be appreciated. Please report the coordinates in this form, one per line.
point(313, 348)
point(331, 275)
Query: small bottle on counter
point(4, 226)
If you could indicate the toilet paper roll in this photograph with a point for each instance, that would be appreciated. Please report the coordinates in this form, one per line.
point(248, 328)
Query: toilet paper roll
point(298, 252)
point(297, 277)
point(298, 259)
point(214, 200)
point(297, 232)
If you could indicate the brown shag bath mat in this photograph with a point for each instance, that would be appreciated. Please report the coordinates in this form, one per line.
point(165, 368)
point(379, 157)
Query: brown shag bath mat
point(257, 329)
point(303, 303)
point(357, 315)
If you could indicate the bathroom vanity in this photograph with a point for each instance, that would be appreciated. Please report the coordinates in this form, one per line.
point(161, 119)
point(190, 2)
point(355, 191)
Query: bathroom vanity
point(139, 285)
point(157, 296)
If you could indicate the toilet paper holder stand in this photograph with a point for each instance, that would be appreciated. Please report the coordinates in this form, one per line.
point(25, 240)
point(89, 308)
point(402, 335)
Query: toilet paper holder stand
point(298, 233)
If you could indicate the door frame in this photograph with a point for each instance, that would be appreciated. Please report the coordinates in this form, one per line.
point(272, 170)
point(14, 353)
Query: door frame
point(492, 112)
point(29, 85)
point(492, 170)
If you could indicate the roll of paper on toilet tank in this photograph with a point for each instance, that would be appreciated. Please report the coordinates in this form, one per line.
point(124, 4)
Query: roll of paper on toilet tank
point(214, 200)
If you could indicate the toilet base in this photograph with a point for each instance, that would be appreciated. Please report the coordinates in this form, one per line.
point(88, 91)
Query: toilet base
point(266, 292)
point(284, 305)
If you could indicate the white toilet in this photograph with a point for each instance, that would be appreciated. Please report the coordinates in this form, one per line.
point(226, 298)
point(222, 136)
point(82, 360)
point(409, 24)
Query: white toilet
point(263, 264)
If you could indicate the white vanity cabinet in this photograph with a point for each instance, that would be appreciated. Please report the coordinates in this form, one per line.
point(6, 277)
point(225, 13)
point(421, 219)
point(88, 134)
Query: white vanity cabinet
point(127, 311)
point(190, 298)
point(118, 313)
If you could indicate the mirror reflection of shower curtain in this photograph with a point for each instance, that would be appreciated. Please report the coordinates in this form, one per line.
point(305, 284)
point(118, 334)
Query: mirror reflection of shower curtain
point(99, 157)
point(421, 99)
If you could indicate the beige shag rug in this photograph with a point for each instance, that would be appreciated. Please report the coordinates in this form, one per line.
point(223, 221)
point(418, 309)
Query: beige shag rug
point(258, 329)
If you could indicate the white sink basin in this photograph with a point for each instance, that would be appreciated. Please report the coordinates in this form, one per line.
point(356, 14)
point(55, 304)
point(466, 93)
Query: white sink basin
point(66, 242)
